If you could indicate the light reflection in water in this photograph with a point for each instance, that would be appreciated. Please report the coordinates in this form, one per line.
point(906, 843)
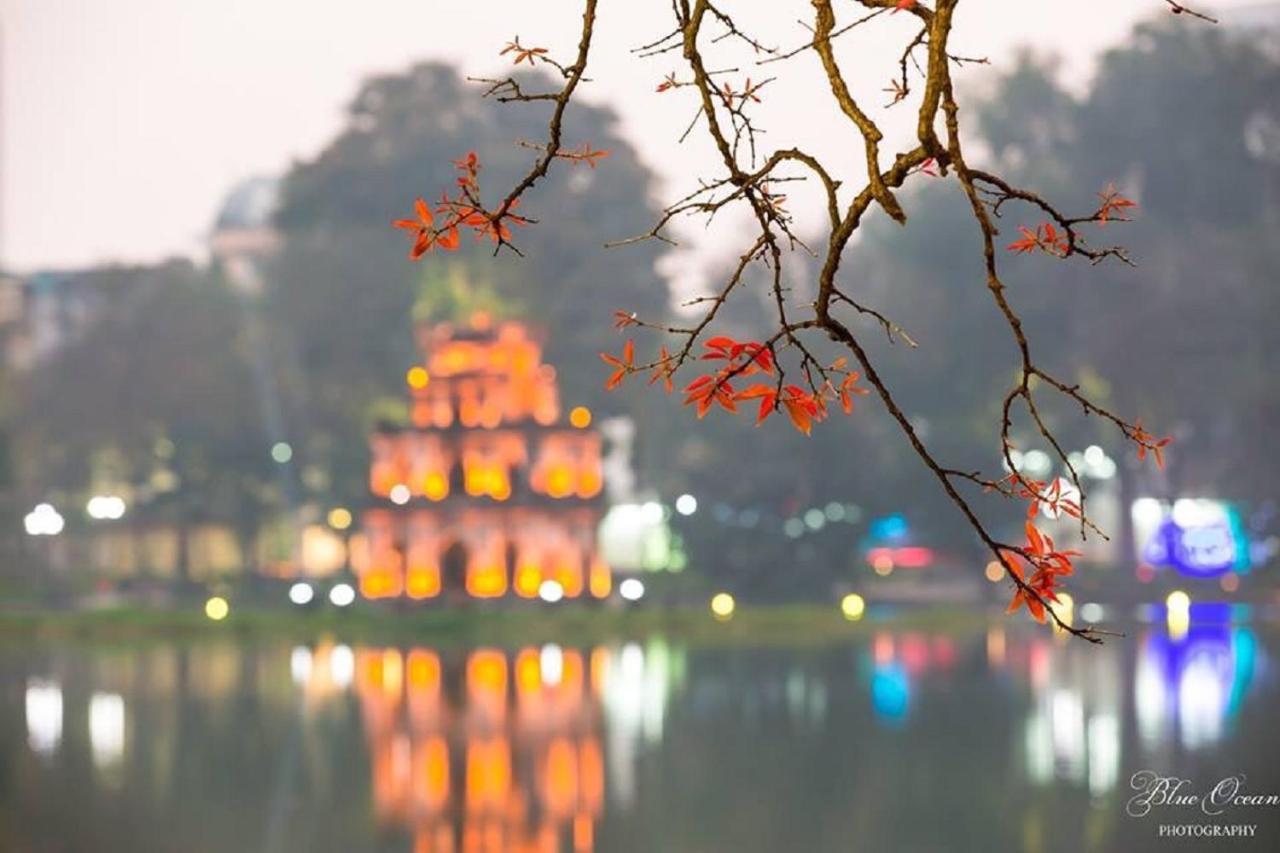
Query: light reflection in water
point(44, 715)
point(899, 659)
point(1192, 678)
point(497, 750)
point(106, 729)
point(556, 747)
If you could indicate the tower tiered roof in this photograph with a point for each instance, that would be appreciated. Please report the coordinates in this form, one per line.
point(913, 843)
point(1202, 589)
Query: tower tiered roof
point(488, 491)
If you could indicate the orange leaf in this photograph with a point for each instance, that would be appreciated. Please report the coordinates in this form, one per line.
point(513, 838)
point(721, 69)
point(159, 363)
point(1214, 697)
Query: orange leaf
point(448, 240)
point(800, 416)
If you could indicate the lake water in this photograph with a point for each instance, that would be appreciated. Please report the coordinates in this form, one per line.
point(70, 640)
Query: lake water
point(992, 738)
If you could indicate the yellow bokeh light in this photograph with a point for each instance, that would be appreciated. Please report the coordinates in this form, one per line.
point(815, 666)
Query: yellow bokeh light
point(853, 606)
point(437, 486)
point(339, 518)
point(1064, 608)
point(722, 605)
point(423, 582)
point(528, 579)
point(580, 417)
point(216, 608)
point(417, 377)
point(424, 669)
point(994, 571)
point(1178, 614)
point(559, 481)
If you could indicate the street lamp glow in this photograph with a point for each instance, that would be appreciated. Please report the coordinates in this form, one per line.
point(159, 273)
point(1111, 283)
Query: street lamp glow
point(44, 520)
point(301, 593)
point(651, 512)
point(550, 591)
point(417, 377)
point(1064, 608)
point(105, 507)
point(216, 608)
point(686, 504)
point(853, 606)
point(722, 605)
point(1036, 463)
point(551, 664)
point(632, 589)
point(342, 594)
point(1178, 614)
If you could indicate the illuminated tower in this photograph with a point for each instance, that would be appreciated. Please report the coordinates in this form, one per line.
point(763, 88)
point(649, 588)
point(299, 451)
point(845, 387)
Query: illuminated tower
point(488, 492)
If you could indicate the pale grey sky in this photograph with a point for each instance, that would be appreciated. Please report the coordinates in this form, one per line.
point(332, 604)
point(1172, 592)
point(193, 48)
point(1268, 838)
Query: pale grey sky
point(126, 121)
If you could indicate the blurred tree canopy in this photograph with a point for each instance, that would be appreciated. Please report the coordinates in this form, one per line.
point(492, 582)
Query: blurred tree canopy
point(1184, 119)
point(343, 295)
point(154, 400)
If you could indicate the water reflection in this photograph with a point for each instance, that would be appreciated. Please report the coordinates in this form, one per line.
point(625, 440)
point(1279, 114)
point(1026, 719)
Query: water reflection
point(106, 729)
point(1193, 678)
point(486, 751)
point(650, 745)
point(44, 715)
point(495, 750)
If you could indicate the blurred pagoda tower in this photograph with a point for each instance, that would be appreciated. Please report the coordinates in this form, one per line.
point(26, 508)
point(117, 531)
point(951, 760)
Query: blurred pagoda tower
point(487, 492)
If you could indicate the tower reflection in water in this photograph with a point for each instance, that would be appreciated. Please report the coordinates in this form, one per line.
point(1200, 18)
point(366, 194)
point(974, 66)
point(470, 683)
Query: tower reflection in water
point(486, 750)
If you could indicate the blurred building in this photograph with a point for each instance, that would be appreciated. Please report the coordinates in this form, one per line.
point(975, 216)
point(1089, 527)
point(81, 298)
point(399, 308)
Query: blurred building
point(487, 492)
point(243, 234)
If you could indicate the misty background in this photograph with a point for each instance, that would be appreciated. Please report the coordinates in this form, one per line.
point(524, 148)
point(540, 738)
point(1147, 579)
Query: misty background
point(144, 355)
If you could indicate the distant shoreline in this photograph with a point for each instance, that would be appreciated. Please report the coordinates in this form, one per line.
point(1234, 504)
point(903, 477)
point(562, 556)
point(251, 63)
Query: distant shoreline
point(798, 624)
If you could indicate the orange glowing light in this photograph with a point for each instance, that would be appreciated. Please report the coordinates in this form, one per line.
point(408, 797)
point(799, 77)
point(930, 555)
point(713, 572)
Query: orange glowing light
point(488, 379)
point(488, 774)
point(378, 584)
point(569, 575)
point(582, 833)
point(392, 671)
point(436, 486)
point(424, 670)
point(435, 772)
point(487, 581)
point(559, 481)
point(599, 668)
point(423, 582)
point(571, 671)
point(528, 671)
point(589, 484)
point(600, 581)
point(592, 769)
point(487, 670)
point(528, 579)
point(562, 777)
